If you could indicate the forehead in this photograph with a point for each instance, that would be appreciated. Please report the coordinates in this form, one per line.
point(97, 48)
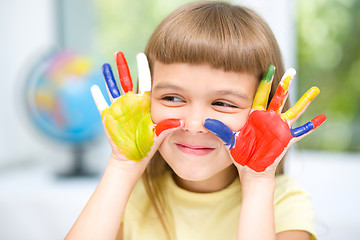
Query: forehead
point(202, 79)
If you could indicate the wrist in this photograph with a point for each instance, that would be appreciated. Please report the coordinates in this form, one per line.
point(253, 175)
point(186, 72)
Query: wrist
point(257, 207)
point(256, 182)
point(261, 186)
point(125, 169)
point(248, 174)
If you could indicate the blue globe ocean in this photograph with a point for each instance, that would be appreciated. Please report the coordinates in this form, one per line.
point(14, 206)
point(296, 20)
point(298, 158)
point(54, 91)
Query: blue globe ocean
point(59, 98)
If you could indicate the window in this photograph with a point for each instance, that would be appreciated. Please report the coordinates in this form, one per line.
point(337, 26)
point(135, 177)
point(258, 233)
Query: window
point(329, 57)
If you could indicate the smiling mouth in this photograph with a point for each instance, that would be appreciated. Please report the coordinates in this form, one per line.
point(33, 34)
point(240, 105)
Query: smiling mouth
point(194, 150)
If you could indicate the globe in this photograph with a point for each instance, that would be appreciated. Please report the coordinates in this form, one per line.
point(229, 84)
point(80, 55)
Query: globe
point(59, 100)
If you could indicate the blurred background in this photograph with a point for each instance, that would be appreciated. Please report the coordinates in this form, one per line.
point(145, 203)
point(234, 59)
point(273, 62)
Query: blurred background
point(52, 147)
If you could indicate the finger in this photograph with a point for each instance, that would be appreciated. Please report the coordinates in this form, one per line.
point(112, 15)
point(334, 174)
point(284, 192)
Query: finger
point(143, 73)
point(282, 92)
point(99, 99)
point(221, 131)
point(307, 127)
point(110, 81)
point(167, 124)
point(162, 129)
point(124, 72)
point(263, 91)
point(300, 106)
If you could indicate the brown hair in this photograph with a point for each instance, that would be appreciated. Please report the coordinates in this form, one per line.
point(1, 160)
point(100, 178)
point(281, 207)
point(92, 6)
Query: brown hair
point(225, 36)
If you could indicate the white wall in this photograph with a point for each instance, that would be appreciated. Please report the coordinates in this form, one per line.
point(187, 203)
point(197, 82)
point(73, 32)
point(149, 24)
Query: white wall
point(26, 30)
point(280, 15)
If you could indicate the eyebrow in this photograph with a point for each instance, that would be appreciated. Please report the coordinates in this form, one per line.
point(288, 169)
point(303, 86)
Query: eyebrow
point(167, 86)
point(232, 93)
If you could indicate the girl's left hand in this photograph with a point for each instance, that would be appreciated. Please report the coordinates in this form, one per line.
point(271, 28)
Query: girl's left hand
point(127, 121)
point(267, 135)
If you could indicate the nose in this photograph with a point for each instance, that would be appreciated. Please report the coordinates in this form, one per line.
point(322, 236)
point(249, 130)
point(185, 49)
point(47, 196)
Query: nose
point(194, 121)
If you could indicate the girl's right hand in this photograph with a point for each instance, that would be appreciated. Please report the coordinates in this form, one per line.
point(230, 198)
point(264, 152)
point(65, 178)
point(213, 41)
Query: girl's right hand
point(132, 134)
point(267, 135)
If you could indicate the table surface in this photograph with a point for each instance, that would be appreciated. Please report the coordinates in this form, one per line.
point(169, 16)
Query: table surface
point(35, 204)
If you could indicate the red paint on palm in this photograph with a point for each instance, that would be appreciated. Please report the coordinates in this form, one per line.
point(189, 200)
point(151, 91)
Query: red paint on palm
point(261, 141)
point(166, 124)
point(124, 72)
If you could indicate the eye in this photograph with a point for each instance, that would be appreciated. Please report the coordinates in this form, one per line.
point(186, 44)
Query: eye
point(223, 104)
point(172, 99)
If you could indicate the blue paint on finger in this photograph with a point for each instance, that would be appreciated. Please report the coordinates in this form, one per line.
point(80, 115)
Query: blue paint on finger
point(221, 130)
point(299, 131)
point(110, 81)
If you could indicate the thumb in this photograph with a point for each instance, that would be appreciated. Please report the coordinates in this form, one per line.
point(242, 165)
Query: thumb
point(221, 131)
point(161, 130)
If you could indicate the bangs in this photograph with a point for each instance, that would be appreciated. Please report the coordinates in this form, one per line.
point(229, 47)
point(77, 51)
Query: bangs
point(223, 36)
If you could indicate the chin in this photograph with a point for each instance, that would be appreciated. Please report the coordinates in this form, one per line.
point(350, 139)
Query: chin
point(195, 168)
point(194, 174)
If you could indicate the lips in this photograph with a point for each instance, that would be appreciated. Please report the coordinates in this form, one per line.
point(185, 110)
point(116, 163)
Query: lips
point(194, 149)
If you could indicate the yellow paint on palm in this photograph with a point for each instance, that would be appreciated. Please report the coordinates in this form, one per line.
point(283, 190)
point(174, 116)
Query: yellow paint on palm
point(299, 106)
point(129, 125)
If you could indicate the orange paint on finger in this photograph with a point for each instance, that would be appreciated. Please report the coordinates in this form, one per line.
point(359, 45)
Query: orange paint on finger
point(294, 111)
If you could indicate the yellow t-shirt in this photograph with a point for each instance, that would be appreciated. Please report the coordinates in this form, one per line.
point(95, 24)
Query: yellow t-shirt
point(212, 215)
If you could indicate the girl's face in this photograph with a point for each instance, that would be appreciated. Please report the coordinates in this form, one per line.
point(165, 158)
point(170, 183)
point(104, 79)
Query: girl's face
point(194, 93)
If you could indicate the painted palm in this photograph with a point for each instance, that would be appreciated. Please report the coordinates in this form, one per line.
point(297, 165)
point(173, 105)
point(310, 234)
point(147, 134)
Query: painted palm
point(267, 134)
point(127, 120)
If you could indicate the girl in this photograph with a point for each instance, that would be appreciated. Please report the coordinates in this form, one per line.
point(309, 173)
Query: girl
point(211, 169)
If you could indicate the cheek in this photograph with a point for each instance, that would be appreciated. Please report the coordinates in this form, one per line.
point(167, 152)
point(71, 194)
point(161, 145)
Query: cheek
point(236, 121)
point(155, 112)
point(159, 112)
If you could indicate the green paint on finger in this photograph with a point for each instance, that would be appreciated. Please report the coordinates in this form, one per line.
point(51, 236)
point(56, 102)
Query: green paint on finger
point(269, 74)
